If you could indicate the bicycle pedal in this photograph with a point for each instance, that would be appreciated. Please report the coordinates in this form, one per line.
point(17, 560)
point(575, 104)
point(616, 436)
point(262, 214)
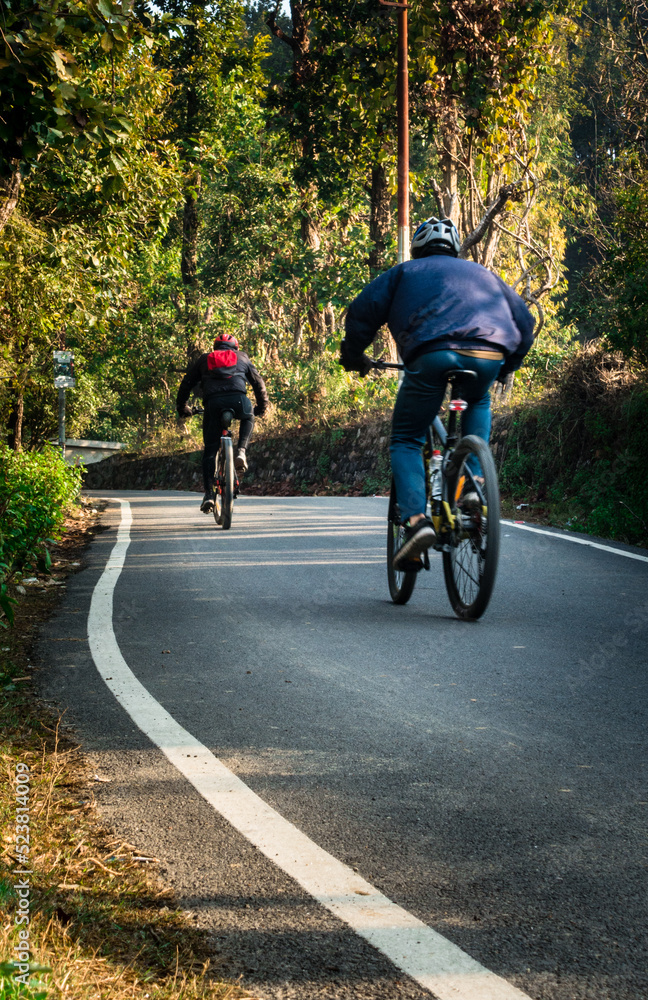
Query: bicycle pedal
point(425, 559)
point(409, 566)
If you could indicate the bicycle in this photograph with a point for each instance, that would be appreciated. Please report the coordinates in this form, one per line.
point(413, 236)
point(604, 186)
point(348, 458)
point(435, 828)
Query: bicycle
point(464, 508)
point(226, 483)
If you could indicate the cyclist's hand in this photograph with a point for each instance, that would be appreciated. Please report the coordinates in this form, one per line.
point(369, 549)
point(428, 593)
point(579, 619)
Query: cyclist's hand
point(260, 411)
point(354, 362)
point(184, 412)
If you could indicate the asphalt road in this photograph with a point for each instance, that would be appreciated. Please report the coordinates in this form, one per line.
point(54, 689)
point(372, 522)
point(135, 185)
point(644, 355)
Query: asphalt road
point(489, 778)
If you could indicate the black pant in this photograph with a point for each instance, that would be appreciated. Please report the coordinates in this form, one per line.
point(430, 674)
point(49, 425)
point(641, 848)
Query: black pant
point(241, 406)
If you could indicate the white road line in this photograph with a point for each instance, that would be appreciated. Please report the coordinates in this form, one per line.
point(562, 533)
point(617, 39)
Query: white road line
point(420, 952)
point(577, 541)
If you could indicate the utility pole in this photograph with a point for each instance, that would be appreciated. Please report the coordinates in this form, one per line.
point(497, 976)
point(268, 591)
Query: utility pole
point(402, 107)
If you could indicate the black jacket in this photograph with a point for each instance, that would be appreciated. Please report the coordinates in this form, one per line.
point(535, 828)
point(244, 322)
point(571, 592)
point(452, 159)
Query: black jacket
point(222, 370)
point(456, 304)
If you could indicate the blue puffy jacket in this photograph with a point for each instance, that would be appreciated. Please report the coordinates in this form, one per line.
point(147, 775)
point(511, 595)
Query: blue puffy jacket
point(441, 302)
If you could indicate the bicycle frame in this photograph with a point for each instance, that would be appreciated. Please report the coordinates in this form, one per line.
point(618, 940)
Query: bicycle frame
point(448, 437)
point(467, 532)
point(226, 433)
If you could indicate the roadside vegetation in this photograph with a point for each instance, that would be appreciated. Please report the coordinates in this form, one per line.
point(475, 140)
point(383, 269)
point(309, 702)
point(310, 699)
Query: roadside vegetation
point(199, 167)
point(188, 167)
point(37, 490)
point(103, 924)
point(195, 167)
point(575, 457)
point(177, 169)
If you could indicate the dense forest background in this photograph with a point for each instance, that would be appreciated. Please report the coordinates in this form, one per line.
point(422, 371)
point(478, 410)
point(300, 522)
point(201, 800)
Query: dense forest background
point(172, 170)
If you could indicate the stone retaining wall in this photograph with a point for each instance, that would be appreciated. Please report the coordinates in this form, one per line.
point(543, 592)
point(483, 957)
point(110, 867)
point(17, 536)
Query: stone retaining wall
point(352, 459)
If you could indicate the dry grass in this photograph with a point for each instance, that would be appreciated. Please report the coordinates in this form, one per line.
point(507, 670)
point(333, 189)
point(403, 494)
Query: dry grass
point(102, 920)
point(576, 457)
point(172, 438)
point(593, 373)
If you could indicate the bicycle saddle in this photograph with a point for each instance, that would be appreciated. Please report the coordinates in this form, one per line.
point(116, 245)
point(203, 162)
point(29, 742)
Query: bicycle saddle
point(454, 373)
point(226, 418)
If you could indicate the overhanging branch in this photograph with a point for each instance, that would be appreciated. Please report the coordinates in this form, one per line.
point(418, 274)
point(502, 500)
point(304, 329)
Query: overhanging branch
point(279, 32)
point(510, 192)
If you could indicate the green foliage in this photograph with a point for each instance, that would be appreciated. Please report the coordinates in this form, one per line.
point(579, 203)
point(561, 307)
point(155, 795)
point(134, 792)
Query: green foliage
point(609, 127)
point(36, 489)
point(620, 282)
point(67, 255)
point(320, 389)
point(273, 149)
point(580, 449)
point(43, 88)
point(556, 344)
point(11, 989)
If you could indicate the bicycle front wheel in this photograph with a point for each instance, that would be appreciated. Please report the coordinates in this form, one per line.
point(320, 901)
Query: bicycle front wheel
point(470, 562)
point(224, 499)
point(401, 585)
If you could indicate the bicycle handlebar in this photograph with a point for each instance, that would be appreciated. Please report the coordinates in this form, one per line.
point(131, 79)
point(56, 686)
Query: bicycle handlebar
point(376, 363)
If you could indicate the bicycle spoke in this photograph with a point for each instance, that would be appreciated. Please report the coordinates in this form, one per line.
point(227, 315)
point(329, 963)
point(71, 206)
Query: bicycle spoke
point(470, 563)
point(466, 578)
point(401, 583)
point(466, 571)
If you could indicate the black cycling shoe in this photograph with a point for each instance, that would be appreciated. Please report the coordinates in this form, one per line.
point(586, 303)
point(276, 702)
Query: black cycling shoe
point(418, 540)
point(207, 504)
point(240, 462)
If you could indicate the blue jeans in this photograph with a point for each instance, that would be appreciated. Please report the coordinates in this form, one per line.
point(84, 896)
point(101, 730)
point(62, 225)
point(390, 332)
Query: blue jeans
point(417, 404)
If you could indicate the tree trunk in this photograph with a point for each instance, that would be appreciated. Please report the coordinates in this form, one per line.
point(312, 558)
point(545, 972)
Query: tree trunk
point(298, 329)
point(19, 413)
point(193, 55)
point(317, 324)
point(380, 223)
point(189, 266)
point(302, 72)
point(380, 220)
point(9, 193)
point(450, 192)
point(309, 227)
point(488, 249)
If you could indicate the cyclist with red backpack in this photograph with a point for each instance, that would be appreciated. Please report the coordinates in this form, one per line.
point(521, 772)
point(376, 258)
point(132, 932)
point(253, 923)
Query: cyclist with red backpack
point(223, 375)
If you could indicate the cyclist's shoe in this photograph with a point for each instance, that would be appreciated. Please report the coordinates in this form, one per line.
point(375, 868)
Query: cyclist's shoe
point(418, 540)
point(207, 504)
point(240, 462)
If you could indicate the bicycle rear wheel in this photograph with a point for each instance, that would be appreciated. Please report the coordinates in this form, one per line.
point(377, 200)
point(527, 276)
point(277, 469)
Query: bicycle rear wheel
point(470, 564)
point(401, 585)
point(224, 493)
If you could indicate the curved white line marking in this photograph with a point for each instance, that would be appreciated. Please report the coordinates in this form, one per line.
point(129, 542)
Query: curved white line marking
point(427, 957)
point(577, 541)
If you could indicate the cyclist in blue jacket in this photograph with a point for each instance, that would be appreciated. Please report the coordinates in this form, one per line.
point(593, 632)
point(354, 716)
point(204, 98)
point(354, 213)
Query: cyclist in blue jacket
point(443, 312)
